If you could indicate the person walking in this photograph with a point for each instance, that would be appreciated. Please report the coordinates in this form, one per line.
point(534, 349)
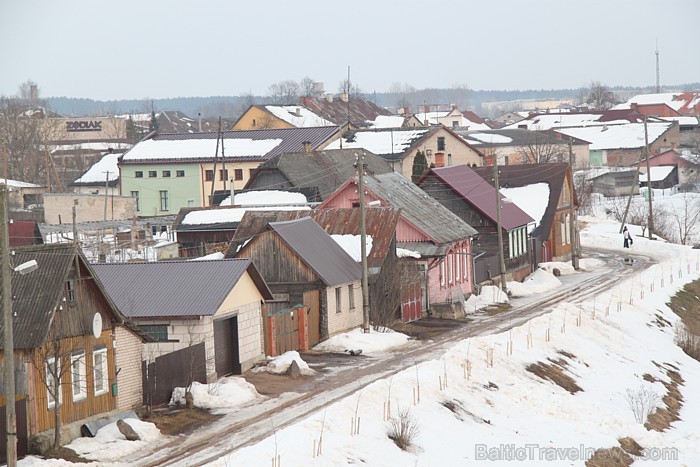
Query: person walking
point(628, 237)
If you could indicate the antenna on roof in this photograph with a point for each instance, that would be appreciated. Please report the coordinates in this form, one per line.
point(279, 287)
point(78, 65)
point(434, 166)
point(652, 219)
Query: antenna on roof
point(658, 85)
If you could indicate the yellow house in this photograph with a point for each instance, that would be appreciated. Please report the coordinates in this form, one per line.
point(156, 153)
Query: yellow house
point(262, 117)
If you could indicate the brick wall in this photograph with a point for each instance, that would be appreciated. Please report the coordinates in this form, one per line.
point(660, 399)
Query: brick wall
point(129, 354)
point(347, 318)
point(89, 208)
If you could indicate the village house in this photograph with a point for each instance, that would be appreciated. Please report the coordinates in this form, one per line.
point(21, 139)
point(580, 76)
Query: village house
point(344, 109)
point(546, 193)
point(24, 195)
point(262, 117)
point(205, 317)
point(615, 182)
point(303, 265)
point(102, 178)
point(72, 347)
point(166, 172)
point(394, 121)
point(461, 190)
point(687, 163)
point(438, 241)
point(452, 119)
point(440, 145)
point(684, 103)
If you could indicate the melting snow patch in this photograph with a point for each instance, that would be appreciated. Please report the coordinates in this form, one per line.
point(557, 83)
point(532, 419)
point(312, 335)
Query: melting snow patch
point(225, 393)
point(371, 342)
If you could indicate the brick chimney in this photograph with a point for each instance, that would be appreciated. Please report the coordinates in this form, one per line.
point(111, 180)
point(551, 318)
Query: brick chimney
point(306, 145)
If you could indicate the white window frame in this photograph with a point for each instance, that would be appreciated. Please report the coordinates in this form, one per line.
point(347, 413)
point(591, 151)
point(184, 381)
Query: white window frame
point(338, 299)
point(104, 377)
point(50, 383)
point(78, 376)
point(351, 296)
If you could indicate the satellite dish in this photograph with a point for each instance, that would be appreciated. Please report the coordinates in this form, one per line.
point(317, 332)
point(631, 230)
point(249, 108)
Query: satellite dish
point(97, 325)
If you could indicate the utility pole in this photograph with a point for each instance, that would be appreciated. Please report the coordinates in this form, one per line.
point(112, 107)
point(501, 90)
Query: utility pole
point(363, 242)
point(8, 337)
point(649, 191)
point(502, 262)
point(572, 213)
point(106, 190)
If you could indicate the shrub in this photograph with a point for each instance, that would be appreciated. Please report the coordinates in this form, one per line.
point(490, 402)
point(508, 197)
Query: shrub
point(403, 429)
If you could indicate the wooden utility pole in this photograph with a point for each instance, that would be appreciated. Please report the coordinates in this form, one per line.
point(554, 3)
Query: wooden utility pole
point(501, 259)
point(8, 337)
point(363, 242)
point(572, 212)
point(649, 190)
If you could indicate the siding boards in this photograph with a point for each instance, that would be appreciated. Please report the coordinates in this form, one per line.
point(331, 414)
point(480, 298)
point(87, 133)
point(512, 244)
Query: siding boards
point(175, 369)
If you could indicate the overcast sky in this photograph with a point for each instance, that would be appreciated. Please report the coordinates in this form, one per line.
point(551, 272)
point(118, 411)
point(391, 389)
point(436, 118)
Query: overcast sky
point(154, 48)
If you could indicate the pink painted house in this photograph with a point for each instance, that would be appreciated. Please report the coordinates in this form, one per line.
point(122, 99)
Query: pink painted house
point(688, 164)
point(427, 234)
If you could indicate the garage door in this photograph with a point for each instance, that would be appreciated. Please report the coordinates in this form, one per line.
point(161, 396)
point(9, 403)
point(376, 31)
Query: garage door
point(226, 347)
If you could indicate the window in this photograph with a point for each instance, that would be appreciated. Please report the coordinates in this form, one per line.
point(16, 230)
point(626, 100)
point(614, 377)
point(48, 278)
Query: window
point(338, 302)
point(53, 368)
point(70, 286)
point(208, 175)
point(158, 332)
point(238, 174)
point(152, 173)
point(441, 143)
point(455, 123)
point(179, 173)
point(138, 174)
point(166, 173)
point(251, 173)
point(135, 194)
point(77, 370)
point(254, 122)
point(351, 296)
point(101, 375)
point(163, 200)
point(442, 273)
point(449, 160)
point(223, 174)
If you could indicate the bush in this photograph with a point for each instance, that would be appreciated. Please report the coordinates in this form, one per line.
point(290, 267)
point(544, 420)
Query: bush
point(688, 341)
point(403, 429)
point(642, 402)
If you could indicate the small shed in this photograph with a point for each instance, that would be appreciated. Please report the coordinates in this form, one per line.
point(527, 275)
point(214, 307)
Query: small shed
point(615, 183)
point(661, 177)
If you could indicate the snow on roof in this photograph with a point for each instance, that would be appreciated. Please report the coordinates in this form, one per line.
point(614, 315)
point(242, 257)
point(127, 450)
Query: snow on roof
point(675, 100)
point(94, 146)
point(533, 199)
point(382, 142)
point(386, 121)
point(431, 117)
point(658, 173)
point(562, 120)
point(627, 136)
point(434, 118)
point(102, 170)
point(18, 184)
point(268, 197)
point(352, 245)
point(690, 157)
point(298, 116)
point(216, 216)
point(685, 121)
point(404, 253)
point(489, 138)
point(199, 148)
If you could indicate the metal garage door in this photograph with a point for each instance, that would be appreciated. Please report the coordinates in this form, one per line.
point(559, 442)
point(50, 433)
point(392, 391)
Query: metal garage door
point(227, 358)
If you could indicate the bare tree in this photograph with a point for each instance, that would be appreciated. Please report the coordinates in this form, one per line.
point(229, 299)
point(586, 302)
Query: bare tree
point(390, 290)
point(349, 88)
point(459, 94)
point(685, 218)
point(542, 148)
point(306, 86)
point(284, 92)
point(403, 93)
point(599, 96)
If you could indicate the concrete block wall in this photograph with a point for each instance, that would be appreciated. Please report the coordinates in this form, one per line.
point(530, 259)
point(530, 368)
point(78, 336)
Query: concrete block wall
point(346, 318)
point(128, 354)
point(250, 334)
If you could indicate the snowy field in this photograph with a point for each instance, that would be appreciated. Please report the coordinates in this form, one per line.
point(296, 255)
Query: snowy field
point(478, 404)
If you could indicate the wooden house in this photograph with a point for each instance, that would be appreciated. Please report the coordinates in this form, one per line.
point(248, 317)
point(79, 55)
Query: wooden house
point(303, 265)
point(427, 233)
point(391, 295)
point(461, 190)
point(546, 192)
point(210, 310)
point(66, 331)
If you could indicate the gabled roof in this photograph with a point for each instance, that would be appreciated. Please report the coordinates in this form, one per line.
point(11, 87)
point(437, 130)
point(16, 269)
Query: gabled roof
point(512, 137)
point(318, 251)
point(103, 171)
point(388, 143)
point(555, 121)
point(554, 175)
point(215, 218)
point(380, 224)
point(243, 145)
point(175, 289)
point(421, 210)
point(326, 169)
point(338, 111)
point(684, 103)
point(37, 296)
point(626, 136)
point(296, 115)
point(467, 184)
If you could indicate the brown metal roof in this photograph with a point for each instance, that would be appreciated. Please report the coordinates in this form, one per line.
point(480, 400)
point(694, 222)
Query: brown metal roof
point(319, 251)
point(359, 110)
point(174, 288)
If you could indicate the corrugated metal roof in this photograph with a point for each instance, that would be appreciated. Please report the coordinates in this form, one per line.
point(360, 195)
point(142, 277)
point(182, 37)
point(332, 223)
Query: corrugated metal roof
point(319, 251)
point(380, 222)
point(417, 207)
point(174, 288)
point(356, 109)
point(480, 194)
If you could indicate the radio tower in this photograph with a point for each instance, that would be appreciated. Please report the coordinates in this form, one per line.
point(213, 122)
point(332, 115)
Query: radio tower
point(658, 85)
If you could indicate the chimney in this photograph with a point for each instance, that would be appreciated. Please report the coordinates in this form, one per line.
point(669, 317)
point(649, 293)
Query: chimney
point(318, 89)
point(329, 97)
point(344, 97)
point(298, 112)
point(426, 108)
point(307, 147)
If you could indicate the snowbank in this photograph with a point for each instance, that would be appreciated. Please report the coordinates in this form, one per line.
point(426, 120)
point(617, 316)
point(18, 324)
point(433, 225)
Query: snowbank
point(279, 365)
point(109, 445)
point(489, 295)
point(370, 343)
point(539, 281)
point(224, 393)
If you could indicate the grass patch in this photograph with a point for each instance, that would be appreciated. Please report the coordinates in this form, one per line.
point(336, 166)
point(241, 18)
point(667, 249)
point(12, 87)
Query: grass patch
point(686, 304)
point(662, 417)
point(630, 446)
point(554, 372)
point(611, 457)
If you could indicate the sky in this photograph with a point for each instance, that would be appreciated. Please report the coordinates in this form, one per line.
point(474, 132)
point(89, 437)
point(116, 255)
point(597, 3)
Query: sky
point(157, 49)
